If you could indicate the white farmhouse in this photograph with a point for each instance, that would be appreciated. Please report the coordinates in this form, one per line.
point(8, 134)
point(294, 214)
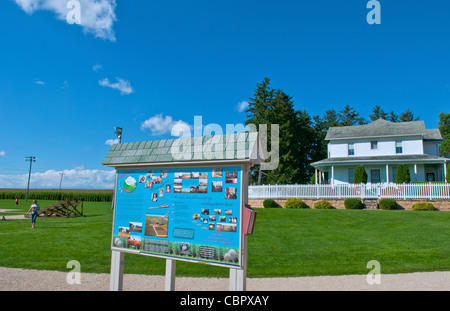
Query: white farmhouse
point(380, 147)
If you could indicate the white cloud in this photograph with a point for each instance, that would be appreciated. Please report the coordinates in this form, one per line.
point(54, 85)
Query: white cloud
point(96, 16)
point(97, 67)
point(111, 142)
point(159, 125)
point(2, 153)
point(65, 85)
point(242, 106)
point(39, 82)
point(77, 178)
point(122, 85)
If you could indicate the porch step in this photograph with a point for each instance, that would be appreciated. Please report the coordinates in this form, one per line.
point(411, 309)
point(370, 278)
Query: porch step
point(370, 204)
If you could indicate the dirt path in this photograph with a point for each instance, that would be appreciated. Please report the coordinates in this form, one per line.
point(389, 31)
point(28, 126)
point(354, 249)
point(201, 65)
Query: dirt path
point(20, 280)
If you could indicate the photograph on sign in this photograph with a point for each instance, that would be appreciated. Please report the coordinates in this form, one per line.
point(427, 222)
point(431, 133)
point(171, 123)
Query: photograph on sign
point(190, 213)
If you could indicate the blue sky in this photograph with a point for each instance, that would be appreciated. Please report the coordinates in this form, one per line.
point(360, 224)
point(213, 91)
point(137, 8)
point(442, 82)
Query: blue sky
point(63, 87)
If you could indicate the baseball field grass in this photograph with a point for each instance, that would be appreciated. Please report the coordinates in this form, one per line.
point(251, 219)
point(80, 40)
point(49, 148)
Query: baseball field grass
point(286, 243)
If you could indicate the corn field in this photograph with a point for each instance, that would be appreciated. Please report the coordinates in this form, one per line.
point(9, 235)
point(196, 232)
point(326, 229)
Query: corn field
point(58, 196)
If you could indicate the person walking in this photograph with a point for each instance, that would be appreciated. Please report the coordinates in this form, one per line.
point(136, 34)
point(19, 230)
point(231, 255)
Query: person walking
point(34, 212)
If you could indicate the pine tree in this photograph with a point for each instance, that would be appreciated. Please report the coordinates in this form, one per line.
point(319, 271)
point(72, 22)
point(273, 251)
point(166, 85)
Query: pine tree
point(273, 106)
point(408, 116)
point(257, 113)
point(444, 128)
point(378, 113)
point(392, 117)
point(349, 117)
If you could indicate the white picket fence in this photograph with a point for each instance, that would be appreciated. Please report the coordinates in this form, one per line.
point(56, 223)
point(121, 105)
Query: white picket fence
point(370, 191)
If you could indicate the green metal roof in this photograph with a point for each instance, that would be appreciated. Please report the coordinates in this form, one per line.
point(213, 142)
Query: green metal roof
point(241, 146)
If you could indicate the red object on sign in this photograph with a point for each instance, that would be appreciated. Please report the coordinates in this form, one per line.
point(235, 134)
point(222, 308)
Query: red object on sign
point(249, 218)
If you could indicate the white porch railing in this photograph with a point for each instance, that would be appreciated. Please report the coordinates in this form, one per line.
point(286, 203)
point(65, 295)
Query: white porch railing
point(370, 191)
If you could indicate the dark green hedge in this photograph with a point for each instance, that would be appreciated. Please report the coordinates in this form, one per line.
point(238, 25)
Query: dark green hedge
point(353, 203)
point(423, 206)
point(388, 204)
point(360, 176)
point(295, 203)
point(403, 174)
point(269, 203)
point(323, 205)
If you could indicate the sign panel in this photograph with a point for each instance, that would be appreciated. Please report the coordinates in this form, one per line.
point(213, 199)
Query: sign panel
point(191, 214)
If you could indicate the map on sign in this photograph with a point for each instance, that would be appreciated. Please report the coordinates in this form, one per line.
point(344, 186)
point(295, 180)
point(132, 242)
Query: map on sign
point(182, 213)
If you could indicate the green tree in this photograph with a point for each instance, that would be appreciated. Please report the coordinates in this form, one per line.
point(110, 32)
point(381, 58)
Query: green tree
point(403, 174)
point(408, 116)
point(360, 176)
point(378, 113)
point(257, 113)
point(392, 117)
point(444, 128)
point(348, 117)
point(273, 106)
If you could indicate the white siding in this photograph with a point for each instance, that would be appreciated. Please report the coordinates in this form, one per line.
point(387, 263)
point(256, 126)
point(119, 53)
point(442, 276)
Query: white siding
point(386, 146)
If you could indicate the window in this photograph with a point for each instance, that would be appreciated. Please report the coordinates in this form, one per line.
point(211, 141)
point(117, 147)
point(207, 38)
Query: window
point(394, 174)
point(351, 175)
point(351, 149)
point(374, 145)
point(375, 176)
point(398, 146)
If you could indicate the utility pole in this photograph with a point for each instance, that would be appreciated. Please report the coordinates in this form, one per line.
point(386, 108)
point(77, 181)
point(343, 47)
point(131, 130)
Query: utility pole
point(30, 159)
point(118, 132)
point(62, 175)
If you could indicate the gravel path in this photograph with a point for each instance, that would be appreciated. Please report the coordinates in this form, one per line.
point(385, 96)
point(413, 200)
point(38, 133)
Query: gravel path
point(33, 280)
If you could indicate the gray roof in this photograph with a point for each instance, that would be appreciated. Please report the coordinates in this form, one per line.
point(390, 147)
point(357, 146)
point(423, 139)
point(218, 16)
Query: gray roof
point(243, 146)
point(406, 158)
point(380, 128)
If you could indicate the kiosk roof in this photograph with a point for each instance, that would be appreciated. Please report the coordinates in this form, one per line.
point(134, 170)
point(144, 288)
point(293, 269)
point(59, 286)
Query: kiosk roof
point(220, 148)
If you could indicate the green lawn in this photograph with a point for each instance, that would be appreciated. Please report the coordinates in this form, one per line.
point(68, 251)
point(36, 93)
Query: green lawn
point(287, 242)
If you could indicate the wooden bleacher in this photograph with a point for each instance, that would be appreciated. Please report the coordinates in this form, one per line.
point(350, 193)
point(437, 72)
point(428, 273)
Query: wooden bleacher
point(67, 208)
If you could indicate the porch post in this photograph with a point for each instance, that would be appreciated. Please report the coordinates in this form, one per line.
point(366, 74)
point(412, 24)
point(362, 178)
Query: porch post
point(387, 173)
point(415, 172)
point(445, 171)
point(316, 179)
point(332, 175)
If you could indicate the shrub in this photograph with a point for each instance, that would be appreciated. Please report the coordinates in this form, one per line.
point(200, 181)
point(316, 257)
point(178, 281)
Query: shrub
point(323, 205)
point(387, 204)
point(313, 179)
point(295, 203)
point(423, 206)
point(448, 173)
point(353, 203)
point(360, 176)
point(403, 175)
point(269, 203)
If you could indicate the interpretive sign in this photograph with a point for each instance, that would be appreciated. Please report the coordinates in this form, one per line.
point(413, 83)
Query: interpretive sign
point(185, 213)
